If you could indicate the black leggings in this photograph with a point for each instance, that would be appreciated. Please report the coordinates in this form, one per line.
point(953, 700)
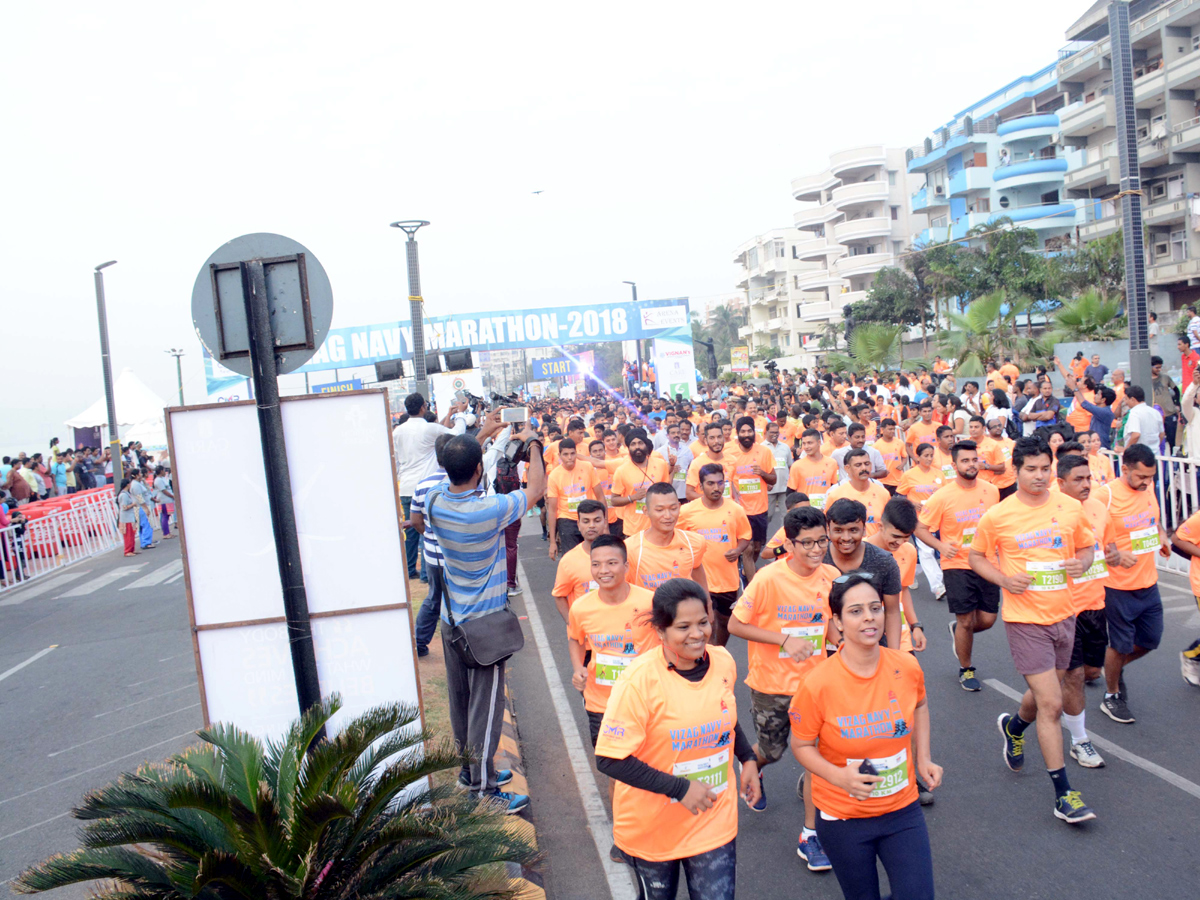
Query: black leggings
point(710, 876)
point(898, 839)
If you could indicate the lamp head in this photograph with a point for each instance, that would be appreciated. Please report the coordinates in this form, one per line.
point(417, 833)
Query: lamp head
point(105, 265)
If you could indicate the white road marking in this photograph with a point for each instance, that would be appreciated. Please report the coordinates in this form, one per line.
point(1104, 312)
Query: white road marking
point(1116, 750)
point(620, 884)
point(5, 837)
point(42, 587)
point(159, 575)
point(102, 581)
point(102, 765)
point(174, 578)
point(140, 702)
point(1173, 589)
point(121, 730)
point(19, 666)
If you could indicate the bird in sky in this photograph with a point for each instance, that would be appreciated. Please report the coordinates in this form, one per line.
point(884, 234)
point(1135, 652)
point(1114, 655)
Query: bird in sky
point(537, 192)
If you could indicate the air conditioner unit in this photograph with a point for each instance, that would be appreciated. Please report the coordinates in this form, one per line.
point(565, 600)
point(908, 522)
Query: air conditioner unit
point(940, 190)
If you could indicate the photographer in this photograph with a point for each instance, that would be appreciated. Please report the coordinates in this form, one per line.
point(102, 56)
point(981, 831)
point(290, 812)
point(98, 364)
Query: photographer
point(479, 631)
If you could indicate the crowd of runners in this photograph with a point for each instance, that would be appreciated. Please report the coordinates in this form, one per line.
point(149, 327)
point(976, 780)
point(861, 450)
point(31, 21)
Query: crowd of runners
point(657, 513)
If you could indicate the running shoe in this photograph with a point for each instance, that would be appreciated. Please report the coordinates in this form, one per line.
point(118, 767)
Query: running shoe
point(940, 595)
point(968, 681)
point(950, 626)
point(1014, 746)
point(617, 855)
point(503, 777)
point(422, 650)
point(1117, 709)
point(810, 851)
point(1085, 754)
point(762, 796)
point(514, 590)
point(1071, 808)
point(512, 803)
point(1190, 668)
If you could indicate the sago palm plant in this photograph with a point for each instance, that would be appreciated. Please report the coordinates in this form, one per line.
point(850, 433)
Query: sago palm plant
point(237, 819)
point(1089, 317)
point(985, 332)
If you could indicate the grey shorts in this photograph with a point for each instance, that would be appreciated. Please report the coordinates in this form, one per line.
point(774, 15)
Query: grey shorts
point(771, 723)
point(1040, 648)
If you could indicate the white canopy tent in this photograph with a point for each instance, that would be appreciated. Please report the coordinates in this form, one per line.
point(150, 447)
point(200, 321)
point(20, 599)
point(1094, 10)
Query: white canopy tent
point(136, 404)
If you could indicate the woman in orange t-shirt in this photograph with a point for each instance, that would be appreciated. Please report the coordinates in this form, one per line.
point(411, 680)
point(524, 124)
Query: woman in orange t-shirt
point(860, 725)
point(668, 739)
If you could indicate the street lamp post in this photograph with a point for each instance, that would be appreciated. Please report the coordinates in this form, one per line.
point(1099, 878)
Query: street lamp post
point(178, 370)
point(114, 438)
point(636, 343)
point(416, 315)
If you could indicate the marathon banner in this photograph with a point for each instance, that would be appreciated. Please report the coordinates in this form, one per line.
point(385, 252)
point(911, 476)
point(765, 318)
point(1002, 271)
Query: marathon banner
point(336, 387)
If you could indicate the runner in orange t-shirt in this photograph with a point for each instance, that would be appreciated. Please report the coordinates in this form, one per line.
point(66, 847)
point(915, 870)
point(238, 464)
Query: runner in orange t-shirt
point(726, 528)
point(1006, 481)
point(1187, 540)
point(922, 431)
point(668, 737)
point(571, 482)
point(754, 474)
point(662, 551)
point(784, 618)
point(1132, 602)
point(1098, 461)
point(860, 726)
point(859, 486)
point(891, 448)
point(895, 536)
point(714, 452)
point(1039, 538)
point(574, 576)
point(634, 477)
point(604, 473)
point(953, 512)
point(813, 473)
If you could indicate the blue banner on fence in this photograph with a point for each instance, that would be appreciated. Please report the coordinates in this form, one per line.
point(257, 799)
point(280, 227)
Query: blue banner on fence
point(554, 368)
point(336, 387)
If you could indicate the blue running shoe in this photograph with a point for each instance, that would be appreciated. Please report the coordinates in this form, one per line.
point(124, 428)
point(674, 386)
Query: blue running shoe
point(512, 803)
point(810, 851)
point(1071, 808)
point(503, 777)
point(762, 796)
point(1014, 747)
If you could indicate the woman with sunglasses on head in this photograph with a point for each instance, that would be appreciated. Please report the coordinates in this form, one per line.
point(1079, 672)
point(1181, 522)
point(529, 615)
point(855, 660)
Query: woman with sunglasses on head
point(860, 725)
point(668, 738)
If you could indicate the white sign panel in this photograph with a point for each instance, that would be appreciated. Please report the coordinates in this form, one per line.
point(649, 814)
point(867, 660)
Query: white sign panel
point(444, 384)
point(664, 316)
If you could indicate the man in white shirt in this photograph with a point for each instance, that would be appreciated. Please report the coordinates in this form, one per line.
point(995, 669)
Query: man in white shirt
point(858, 439)
point(1145, 425)
point(413, 441)
point(783, 465)
point(1193, 327)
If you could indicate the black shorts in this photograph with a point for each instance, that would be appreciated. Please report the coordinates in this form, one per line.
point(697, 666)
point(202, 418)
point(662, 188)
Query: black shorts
point(758, 528)
point(967, 592)
point(723, 601)
point(594, 720)
point(617, 528)
point(1006, 492)
point(1091, 639)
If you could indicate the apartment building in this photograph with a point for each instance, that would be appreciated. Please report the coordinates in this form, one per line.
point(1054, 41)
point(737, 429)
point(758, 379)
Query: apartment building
point(999, 157)
point(857, 219)
point(771, 269)
point(1165, 38)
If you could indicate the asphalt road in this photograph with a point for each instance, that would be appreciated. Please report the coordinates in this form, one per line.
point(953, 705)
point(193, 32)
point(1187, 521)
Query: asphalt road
point(993, 831)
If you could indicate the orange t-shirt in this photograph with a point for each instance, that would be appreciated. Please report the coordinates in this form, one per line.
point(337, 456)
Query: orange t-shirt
point(1011, 372)
point(874, 498)
point(674, 726)
point(650, 565)
point(1003, 453)
point(1088, 591)
point(698, 448)
point(906, 559)
point(1035, 540)
point(1190, 531)
point(550, 456)
point(779, 600)
point(918, 485)
point(604, 478)
point(752, 488)
point(574, 576)
point(569, 489)
point(943, 462)
point(726, 462)
point(1119, 390)
point(813, 477)
point(627, 478)
point(615, 633)
point(920, 433)
point(854, 718)
point(1102, 469)
point(1078, 367)
point(955, 512)
point(722, 528)
point(1134, 518)
point(1078, 417)
point(893, 457)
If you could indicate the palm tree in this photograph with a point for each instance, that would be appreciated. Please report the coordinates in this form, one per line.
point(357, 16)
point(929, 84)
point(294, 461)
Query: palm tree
point(985, 333)
point(234, 818)
point(1089, 317)
point(872, 346)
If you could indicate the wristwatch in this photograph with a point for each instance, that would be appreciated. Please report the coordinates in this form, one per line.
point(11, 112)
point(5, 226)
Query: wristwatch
point(913, 625)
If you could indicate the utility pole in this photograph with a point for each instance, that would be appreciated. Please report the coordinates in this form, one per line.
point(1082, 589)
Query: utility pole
point(114, 438)
point(416, 314)
point(637, 343)
point(178, 370)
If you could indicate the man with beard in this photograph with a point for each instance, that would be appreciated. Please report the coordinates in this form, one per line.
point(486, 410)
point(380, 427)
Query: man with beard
point(954, 511)
point(633, 478)
point(859, 486)
point(754, 471)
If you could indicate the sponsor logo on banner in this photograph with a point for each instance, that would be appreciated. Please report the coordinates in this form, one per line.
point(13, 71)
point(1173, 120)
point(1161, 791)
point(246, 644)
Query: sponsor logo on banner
point(664, 316)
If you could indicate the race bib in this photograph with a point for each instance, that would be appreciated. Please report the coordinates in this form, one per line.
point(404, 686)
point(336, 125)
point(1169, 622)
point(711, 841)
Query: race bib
point(1144, 540)
point(948, 470)
point(814, 634)
point(609, 668)
point(968, 537)
point(892, 769)
point(816, 501)
point(679, 475)
point(1098, 569)
point(639, 506)
point(1047, 576)
point(573, 503)
point(728, 492)
point(750, 485)
point(712, 770)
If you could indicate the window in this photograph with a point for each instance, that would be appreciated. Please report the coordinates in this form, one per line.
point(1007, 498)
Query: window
point(895, 213)
point(891, 178)
point(939, 222)
point(794, 255)
point(1178, 246)
point(1175, 186)
point(983, 204)
point(787, 340)
point(1162, 250)
point(798, 305)
point(1158, 190)
point(897, 248)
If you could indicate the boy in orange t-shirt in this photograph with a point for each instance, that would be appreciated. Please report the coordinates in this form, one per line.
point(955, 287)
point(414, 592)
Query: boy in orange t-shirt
point(899, 523)
point(891, 448)
point(813, 473)
point(573, 578)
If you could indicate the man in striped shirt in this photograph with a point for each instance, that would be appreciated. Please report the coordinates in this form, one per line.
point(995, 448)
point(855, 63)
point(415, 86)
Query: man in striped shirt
point(470, 534)
point(431, 609)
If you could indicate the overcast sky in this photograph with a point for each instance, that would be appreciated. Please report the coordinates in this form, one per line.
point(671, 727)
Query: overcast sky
point(662, 135)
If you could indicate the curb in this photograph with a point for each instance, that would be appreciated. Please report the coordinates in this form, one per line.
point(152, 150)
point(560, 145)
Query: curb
point(527, 882)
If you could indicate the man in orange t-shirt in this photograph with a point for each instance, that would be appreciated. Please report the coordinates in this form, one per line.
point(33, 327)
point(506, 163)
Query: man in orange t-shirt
point(922, 431)
point(891, 448)
point(662, 551)
point(571, 482)
point(1039, 538)
point(726, 528)
point(784, 618)
point(1187, 540)
point(860, 487)
point(1010, 371)
point(953, 512)
point(1005, 481)
point(634, 477)
point(813, 473)
point(573, 578)
point(754, 474)
point(604, 473)
point(895, 536)
point(1132, 603)
point(715, 451)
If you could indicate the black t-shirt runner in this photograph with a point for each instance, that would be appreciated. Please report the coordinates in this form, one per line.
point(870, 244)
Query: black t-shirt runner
point(880, 564)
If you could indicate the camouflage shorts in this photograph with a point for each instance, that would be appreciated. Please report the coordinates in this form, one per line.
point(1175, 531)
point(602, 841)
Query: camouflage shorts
point(771, 723)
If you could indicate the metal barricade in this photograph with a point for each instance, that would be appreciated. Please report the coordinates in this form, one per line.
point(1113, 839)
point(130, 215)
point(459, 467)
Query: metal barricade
point(44, 545)
point(1178, 492)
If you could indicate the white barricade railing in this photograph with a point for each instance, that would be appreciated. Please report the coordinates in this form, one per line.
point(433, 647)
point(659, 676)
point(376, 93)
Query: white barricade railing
point(47, 544)
point(1178, 490)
